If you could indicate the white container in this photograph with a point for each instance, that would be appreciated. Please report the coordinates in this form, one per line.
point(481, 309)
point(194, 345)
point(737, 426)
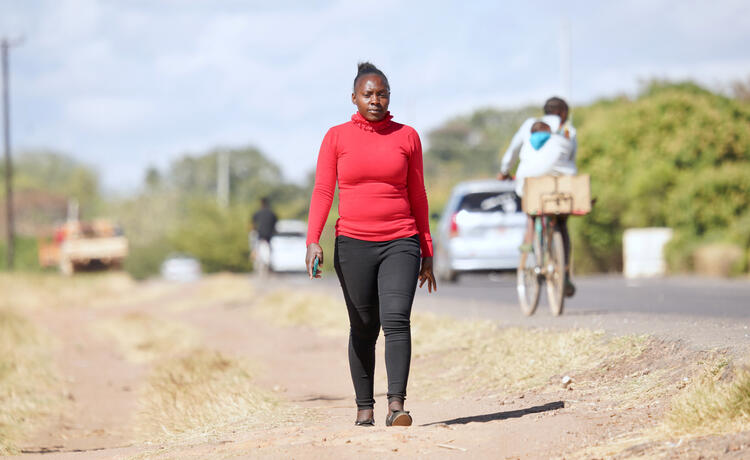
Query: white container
point(643, 251)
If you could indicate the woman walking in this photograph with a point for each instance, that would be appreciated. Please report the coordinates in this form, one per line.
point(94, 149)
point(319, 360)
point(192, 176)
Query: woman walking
point(382, 229)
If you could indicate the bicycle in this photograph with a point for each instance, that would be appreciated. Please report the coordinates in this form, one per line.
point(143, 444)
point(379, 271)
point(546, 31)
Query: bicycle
point(546, 262)
point(547, 198)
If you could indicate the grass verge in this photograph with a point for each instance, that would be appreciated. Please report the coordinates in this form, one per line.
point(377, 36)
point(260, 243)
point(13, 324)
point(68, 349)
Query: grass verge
point(201, 393)
point(482, 356)
point(466, 355)
point(695, 393)
point(27, 381)
point(226, 289)
point(717, 402)
point(50, 290)
point(141, 337)
point(700, 416)
point(114, 289)
point(319, 311)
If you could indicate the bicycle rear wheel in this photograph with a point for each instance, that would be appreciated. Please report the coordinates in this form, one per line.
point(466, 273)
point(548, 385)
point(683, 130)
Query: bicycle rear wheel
point(528, 283)
point(556, 273)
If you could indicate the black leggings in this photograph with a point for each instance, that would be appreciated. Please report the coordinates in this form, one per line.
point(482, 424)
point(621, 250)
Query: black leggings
point(378, 279)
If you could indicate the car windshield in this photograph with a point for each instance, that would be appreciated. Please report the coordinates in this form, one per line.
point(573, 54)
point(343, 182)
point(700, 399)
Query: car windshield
point(490, 202)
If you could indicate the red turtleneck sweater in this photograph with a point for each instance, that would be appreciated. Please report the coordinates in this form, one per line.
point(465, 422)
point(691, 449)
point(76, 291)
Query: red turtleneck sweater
point(382, 197)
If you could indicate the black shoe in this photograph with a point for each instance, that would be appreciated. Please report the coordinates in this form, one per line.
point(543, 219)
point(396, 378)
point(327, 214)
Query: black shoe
point(368, 422)
point(398, 418)
point(570, 288)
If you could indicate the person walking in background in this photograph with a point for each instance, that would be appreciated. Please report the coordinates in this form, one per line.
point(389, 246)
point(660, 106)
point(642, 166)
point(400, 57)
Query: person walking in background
point(382, 230)
point(264, 226)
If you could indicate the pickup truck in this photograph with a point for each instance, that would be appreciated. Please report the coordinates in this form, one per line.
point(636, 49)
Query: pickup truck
point(80, 245)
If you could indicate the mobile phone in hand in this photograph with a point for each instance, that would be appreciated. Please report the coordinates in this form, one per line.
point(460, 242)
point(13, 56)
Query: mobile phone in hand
point(315, 267)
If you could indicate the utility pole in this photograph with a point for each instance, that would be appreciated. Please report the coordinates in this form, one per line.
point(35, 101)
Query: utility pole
point(5, 44)
point(565, 68)
point(222, 178)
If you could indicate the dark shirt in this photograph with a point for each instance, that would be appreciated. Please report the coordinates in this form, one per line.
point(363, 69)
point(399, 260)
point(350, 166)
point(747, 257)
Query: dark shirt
point(264, 222)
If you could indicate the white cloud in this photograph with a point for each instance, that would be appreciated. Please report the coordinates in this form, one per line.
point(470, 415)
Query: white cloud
point(109, 114)
point(145, 81)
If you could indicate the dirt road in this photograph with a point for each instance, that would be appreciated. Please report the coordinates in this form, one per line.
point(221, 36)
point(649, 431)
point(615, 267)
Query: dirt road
point(110, 358)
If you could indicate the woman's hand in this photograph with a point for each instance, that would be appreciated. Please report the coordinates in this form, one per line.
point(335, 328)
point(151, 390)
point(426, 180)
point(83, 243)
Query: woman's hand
point(425, 274)
point(313, 250)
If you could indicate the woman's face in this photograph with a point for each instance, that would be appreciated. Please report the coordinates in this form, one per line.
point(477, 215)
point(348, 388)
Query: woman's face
point(371, 96)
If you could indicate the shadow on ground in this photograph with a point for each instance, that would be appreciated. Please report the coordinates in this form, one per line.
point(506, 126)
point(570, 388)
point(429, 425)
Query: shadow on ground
point(321, 398)
point(501, 415)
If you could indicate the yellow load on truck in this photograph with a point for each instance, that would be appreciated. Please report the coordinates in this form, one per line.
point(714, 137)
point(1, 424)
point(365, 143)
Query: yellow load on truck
point(78, 245)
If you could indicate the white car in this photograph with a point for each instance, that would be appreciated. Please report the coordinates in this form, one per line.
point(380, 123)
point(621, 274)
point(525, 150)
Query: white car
point(480, 229)
point(181, 268)
point(288, 246)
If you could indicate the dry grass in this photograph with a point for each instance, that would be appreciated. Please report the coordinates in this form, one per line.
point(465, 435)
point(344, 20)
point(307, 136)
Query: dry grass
point(141, 337)
point(461, 355)
point(29, 388)
point(716, 404)
point(46, 290)
point(718, 401)
point(704, 398)
point(202, 393)
point(224, 289)
point(114, 289)
point(719, 259)
point(650, 375)
point(322, 312)
point(480, 355)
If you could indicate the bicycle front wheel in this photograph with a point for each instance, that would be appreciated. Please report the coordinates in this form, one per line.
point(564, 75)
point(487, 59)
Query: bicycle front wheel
point(528, 283)
point(556, 273)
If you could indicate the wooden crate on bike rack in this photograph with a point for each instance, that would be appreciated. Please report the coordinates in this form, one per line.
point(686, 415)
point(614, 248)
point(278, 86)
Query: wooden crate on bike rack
point(557, 195)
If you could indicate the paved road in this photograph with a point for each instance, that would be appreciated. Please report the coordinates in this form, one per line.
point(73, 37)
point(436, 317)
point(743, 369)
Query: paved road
point(606, 294)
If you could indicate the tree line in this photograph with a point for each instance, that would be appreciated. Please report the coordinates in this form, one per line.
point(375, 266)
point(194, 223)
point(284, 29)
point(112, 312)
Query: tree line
point(675, 155)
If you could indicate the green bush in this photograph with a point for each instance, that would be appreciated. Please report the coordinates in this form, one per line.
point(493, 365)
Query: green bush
point(677, 156)
point(217, 237)
point(144, 261)
point(25, 256)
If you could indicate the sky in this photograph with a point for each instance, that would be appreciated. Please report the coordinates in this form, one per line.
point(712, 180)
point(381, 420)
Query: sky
point(125, 85)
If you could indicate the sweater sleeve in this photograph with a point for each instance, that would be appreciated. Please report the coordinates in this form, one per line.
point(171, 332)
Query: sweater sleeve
point(418, 196)
point(510, 158)
point(324, 189)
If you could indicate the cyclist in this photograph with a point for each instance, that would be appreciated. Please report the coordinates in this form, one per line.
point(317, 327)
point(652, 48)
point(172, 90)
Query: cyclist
point(564, 126)
point(546, 147)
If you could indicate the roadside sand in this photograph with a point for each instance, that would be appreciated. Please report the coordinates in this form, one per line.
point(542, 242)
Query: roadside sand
point(308, 373)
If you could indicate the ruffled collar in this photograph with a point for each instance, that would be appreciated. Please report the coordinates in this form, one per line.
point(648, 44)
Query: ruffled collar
point(373, 126)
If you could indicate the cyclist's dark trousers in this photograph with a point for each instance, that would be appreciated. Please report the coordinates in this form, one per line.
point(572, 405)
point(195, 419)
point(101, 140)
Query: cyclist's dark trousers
point(562, 221)
point(378, 280)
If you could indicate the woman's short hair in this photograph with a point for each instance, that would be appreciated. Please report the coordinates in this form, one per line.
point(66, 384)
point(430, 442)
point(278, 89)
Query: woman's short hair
point(368, 68)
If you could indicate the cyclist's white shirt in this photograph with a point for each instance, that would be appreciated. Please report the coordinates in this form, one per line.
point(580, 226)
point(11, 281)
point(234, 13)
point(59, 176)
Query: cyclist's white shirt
point(523, 134)
point(556, 157)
